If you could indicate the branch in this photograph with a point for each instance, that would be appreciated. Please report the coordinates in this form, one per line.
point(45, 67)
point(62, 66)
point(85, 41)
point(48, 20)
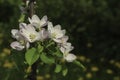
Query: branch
point(31, 8)
point(33, 73)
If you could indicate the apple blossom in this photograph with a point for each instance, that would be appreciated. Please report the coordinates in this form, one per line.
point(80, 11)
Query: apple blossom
point(29, 32)
point(49, 44)
point(21, 43)
point(43, 34)
point(17, 45)
point(70, 57)
point(35, 21)
point(62, 40)
point(55, 32)
point(66, 48)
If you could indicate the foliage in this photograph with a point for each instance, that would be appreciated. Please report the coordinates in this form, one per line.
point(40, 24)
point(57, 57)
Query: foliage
point(94, 29)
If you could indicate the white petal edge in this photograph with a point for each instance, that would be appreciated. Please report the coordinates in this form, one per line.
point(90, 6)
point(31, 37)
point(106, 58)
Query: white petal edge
point(58, 27)
point(70, 57)
point(50, 26)
point(36, 18)
point(22, 25)
point(43, 21)
point(16, 45)
point(14, 31)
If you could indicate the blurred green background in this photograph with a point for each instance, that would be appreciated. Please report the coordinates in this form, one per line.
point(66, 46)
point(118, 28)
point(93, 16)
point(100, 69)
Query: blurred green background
point(94, 30)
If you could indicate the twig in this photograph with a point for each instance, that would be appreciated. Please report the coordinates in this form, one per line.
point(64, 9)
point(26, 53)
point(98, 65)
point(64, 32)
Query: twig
point(31, 7)
point(33, 73)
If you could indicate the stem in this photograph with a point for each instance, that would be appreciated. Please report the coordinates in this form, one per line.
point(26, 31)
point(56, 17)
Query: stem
point(31, 8)
point(33, 73)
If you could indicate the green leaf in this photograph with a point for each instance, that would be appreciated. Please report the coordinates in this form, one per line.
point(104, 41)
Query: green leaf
point(40, 48)
point(46, 59)
point(58, 68)
point(58, 53)
point(50, 44)
point(31, 56)
point(22, 18)
point(64, 72)
point(79, 64)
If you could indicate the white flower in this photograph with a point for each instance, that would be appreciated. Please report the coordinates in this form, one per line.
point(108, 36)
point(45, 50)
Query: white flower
point(21, 43)
point(17, 45)
point(66, 48)
point(55, 32)
point(43, 34)
point(29, 32)
point(35, 21)
point(15, 34)
point(62, 40)
point(70, 57)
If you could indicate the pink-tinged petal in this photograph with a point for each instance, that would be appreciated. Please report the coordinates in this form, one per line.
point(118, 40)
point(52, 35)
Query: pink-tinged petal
point(70, 57)
point(16, 45)
point(22, 25)
point(44, 34)
point(30, 27)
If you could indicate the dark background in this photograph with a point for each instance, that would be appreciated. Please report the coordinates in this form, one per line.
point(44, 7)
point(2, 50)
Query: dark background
point(94, 30)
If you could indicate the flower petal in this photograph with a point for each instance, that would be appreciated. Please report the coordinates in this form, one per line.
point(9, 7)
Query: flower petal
point(63, 31)
point(44, 34)
point(70, 57)
point(29, 33)
point(30, 27)
point(62, 40)
point(43, 21)
point(62, 49)
point(14, 32)
point(66, 48)
point(35, 18)
point(22, 25)
point(65, 39)
point(27, 45)
point(50, 26)
point(16, 45)
point(58, 27)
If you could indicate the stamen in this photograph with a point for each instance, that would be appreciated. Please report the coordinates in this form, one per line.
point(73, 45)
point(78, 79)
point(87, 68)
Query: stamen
point(22, 42)
point(32, 36)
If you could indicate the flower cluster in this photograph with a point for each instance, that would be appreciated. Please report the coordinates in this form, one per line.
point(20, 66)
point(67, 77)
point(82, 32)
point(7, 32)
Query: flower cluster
point(40, 30)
